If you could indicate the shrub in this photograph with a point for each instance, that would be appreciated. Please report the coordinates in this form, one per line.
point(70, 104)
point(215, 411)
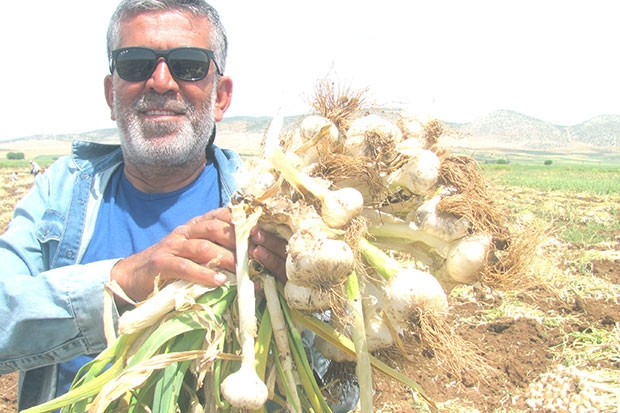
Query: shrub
point(548, 162)
point(17, 156)
point(503, 161)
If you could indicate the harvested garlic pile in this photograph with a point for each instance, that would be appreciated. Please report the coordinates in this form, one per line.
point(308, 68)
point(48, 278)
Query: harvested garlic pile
point(568, 389)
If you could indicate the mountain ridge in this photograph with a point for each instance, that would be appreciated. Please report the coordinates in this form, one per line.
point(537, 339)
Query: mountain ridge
point(508, 128)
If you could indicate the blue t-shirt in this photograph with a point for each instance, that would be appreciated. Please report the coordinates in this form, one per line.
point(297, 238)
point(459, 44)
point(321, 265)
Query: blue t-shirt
point(129, 221)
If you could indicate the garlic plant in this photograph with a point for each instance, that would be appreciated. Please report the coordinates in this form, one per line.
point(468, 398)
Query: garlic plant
point(373, 137)
point(467, 258)
point(314, 260)
point(446, 226)
point(338, 207)
point(304, 298)
point(244, 389)
point(419, 175)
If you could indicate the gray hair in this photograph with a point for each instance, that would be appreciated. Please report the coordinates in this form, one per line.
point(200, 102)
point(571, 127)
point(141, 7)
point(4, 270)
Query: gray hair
point(198, 8)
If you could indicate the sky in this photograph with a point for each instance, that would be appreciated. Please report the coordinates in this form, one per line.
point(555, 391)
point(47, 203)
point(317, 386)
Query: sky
point(457, 60)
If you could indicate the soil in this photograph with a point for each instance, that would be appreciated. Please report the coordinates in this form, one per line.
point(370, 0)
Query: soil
point(519, 350)
point(8, 393)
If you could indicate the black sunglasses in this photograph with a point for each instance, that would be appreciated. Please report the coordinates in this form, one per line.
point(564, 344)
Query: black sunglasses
point(136, 64)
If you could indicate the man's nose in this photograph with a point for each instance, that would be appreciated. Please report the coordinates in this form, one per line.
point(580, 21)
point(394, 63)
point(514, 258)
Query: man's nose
point(162, 80)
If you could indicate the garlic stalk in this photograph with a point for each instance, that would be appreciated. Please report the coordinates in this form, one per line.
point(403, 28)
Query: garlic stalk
point(358, 333)
point(177, 294)
point(281, 336)
point(410, 233)
point(244, 389)
point(378, 334)
point(408, 291)
point(338, 207)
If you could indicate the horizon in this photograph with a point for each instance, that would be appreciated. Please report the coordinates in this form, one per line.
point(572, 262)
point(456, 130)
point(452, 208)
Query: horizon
point(231, 118)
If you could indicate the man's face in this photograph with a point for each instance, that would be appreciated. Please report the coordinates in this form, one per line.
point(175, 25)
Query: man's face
point(164, 122)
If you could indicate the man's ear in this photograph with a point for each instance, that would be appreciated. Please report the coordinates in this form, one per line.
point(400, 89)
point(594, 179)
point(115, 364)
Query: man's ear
point(108, 87)
point(224, 96)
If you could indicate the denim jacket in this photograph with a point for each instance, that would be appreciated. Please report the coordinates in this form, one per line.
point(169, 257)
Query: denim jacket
point(51, 306)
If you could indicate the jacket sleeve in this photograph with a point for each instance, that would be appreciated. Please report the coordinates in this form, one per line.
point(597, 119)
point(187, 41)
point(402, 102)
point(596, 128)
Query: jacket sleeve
point(47, 315)
point(228, 162)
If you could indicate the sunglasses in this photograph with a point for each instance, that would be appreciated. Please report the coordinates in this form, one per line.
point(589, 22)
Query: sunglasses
point(137, 64)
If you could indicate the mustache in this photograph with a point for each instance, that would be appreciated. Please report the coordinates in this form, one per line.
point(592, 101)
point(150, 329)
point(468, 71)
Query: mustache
point(157, 101)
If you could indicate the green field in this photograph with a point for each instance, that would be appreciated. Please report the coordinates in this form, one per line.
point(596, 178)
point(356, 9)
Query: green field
point(597, 176)
point(43, 160)
point(600, 157)
point(560, 194)
point(596, 171)
point(591, 179)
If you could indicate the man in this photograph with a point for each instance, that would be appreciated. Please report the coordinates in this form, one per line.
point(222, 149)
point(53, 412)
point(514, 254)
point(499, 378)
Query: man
point(35, 169)
point(151, 207)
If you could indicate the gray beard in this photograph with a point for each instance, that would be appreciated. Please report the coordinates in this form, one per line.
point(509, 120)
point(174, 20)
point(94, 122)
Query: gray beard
point(161, 146)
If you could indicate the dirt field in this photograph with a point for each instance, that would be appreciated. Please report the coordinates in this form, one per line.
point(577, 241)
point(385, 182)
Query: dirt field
point(555, 347)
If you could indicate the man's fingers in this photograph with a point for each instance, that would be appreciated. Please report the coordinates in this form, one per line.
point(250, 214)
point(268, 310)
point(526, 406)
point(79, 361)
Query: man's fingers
point(220, 214)
point(194, 272)
point(216, 231)
point(206, 253)
point(269, 241)
point(272, 262)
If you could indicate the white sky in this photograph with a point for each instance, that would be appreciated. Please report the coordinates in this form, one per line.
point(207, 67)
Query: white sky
point(555, 60)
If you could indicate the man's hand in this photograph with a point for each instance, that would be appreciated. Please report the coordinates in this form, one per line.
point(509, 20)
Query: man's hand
point(196, 251)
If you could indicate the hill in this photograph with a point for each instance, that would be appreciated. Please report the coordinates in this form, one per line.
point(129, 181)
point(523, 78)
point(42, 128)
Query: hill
point(508, 129)
point(599, 131)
